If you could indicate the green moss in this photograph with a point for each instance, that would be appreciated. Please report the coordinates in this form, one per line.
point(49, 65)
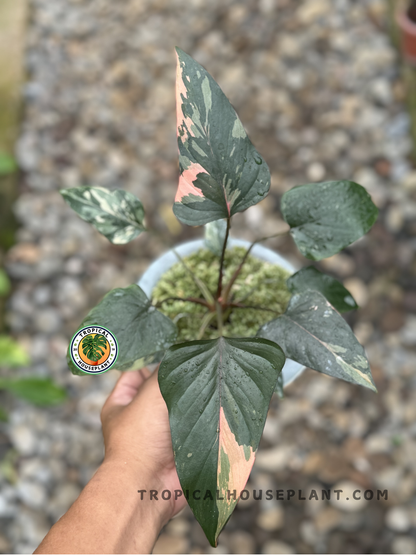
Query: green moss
point(259, 283)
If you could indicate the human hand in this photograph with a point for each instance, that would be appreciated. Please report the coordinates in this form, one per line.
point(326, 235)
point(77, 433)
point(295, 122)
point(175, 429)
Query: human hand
point(136, 433)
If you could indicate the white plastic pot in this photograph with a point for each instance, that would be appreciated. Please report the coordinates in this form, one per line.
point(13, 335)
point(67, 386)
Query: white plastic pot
point(152, 275)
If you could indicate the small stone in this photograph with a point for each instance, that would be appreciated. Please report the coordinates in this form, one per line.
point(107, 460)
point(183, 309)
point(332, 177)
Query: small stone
point(408, 332)
point(274, 546)
point(74, 266)
point(5, 545)
point(327, 520)
point(316, 172)
point(26, 253)
point(358, 290)
point(23, 439)
point(312, 10)
point(63, 497)
point(275, 459)
point(271, 519)
point(378, 444)
point(395, 218)
point(178, 527)
point(47, 320)
point(242, 542)
point(35, 469)
point(31, 493)
point(397, 519)
point(341, 264)
point(171, 544)
point(403, 545)
point(346, 501)
point(309, 533)
point(409, 182)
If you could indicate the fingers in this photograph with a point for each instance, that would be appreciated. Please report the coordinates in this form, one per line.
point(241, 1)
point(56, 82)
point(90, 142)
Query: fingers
point(125, 389)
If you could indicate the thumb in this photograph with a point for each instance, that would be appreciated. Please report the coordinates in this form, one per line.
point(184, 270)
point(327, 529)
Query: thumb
point(125, 390)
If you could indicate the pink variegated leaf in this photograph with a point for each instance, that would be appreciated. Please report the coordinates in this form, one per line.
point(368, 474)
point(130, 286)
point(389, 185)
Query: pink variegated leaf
point(218, 393)
point(221, 171)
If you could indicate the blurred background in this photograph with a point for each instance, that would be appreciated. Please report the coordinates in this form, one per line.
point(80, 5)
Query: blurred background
point(87, 97)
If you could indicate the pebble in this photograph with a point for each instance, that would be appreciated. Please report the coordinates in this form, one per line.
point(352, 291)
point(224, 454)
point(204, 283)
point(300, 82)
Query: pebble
point(316, 172)
point(358, 290)
point(271, 519)
point(277, 547)
point(32, 494)
point(242, 542)
point(346, 501)
point(403, 544)
point(397, 519)
point(23, 439)
point(171, 544)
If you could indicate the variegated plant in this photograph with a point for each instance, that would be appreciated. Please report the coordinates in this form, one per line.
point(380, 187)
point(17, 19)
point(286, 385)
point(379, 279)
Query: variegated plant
point(218, 391)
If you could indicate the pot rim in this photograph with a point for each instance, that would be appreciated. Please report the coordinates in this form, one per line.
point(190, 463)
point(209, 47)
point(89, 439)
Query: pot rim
point(161, 265)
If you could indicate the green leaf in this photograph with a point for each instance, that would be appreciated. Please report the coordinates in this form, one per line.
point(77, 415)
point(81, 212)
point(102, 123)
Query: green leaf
point(7, 164)
point(221, 171)
point(215, 236)
point(117, 214)
point(4, 283)
point(217, 393)
point(39, 391)
point(313, 333)
point(326, 217)
point(311, 279)
point(11, 353)
point(140, 329)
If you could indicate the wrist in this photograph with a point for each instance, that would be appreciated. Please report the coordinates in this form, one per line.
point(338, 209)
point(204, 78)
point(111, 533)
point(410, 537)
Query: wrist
point(137, 483)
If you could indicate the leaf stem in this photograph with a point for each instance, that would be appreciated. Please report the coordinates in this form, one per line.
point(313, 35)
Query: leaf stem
point(219, 317)
point(185, 300)
point(220, 275)
point(246, 255)
point(255, 307)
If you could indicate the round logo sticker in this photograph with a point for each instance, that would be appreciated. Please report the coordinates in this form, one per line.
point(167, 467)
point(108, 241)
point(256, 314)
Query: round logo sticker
point(94, 350)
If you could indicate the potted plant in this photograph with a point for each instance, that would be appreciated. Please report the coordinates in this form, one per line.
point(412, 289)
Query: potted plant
point(406, 20)
point(222, 316)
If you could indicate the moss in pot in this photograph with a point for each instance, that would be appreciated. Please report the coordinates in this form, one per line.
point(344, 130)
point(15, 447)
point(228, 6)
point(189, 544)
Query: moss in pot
point(221, 357)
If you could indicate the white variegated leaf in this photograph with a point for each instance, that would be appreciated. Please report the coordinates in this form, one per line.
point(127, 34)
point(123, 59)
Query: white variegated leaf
point(117, 214)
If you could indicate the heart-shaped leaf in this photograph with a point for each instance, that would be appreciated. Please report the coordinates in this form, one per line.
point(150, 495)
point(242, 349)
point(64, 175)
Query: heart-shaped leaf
point(141, 330)
point(311, 279)
point(217, 393)
point(39, 391)
point(326, 217)
point(117, 214)
point(215, 236)
point(221, 171)
point(313, 333)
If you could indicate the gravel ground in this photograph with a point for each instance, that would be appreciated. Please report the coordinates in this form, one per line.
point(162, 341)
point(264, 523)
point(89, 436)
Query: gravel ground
point(317, 85)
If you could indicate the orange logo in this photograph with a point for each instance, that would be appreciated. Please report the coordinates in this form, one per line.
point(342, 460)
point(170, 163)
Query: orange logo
point(94, 350)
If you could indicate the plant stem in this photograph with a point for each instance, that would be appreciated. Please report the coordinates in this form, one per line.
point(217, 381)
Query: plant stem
point(219, 317)
point(186, 300)
point(246, 255)
point(238, 305)
point(220, 275)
